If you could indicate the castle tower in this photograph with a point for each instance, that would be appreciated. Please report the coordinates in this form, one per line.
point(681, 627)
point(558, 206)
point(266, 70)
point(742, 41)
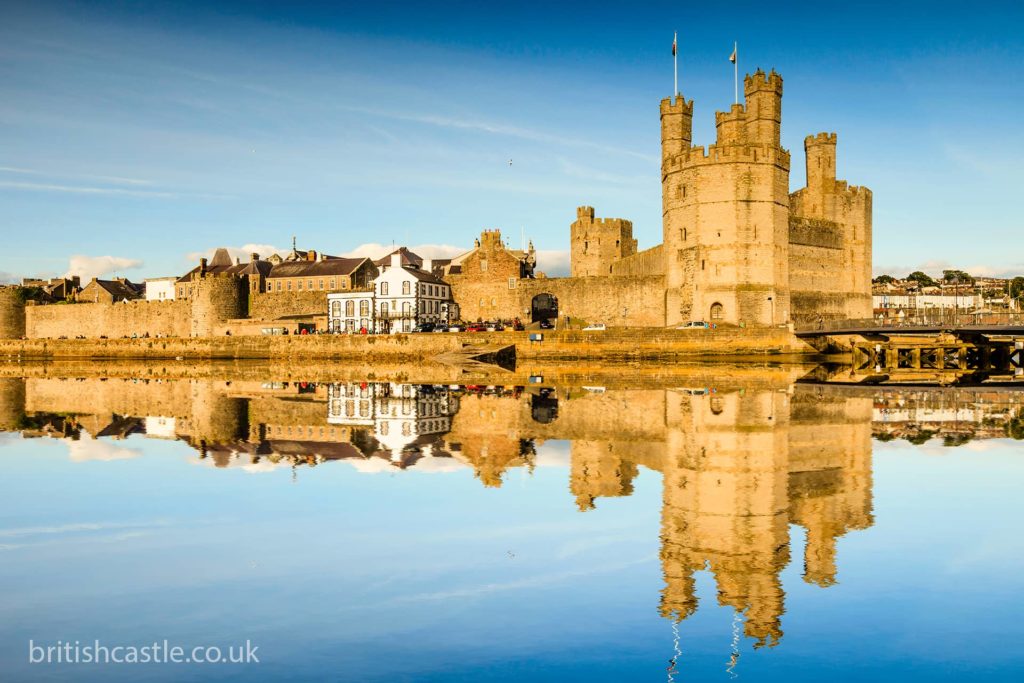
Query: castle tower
point(217, 298)
point(597, 243)
point(725, 504)
point(676, 126)
point(12, 313)
point(846, 211)
point(726, 216)
point(216, 418)
point(598, 472)
point(12, 403)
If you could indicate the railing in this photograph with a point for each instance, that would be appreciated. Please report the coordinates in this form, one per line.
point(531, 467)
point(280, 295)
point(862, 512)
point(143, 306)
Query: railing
point(939, 318)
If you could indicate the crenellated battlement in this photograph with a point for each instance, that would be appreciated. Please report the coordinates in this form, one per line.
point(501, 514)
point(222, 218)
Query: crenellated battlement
point(820, 139)
point(760, 82)
point(730, 153)
point(677, 105)
point(736, 113)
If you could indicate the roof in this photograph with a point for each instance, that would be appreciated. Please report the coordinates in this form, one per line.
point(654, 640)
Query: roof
point(251, 268)
point(326, 266)
point(424, 276)
point(119, 289)
point(409, 258)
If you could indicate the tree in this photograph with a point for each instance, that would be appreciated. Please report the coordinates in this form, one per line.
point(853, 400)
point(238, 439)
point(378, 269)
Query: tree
point(1017, 288)
point(923, 279)
point(884, 280)
point(950, 276)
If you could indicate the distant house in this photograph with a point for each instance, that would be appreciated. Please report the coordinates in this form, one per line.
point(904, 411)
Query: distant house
point(161, 288)
point(258, 269)
point(109, 291)
point(321, 273)
point(57, 288)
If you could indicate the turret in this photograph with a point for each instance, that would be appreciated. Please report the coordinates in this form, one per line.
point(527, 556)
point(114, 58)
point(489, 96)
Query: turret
point(763, 94)
point(12, 312)
point(216, 299)
point(676, 126)
point(821, 161)
point(597, 243)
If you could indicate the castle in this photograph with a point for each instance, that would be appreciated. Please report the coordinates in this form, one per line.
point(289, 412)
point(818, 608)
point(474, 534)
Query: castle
point(738, 248)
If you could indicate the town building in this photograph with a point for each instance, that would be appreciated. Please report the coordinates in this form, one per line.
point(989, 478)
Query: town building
point(56, 288)
point(161, 288)
point(401, 297)
point(110, 291)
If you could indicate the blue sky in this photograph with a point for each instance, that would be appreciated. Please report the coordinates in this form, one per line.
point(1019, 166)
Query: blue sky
point(134, 136)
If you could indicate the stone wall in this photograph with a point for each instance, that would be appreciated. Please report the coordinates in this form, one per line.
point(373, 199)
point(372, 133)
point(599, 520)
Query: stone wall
point(647, 262)
point(618, 301)
point(273, 305)
point(93, 320)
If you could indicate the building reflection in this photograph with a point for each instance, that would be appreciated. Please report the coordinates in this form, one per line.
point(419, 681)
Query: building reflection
point(739, 467)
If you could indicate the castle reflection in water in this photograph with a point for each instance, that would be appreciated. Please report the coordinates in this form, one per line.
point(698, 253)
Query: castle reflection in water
point(739, 465)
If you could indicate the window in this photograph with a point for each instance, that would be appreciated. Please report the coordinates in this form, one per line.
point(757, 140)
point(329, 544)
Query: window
point(494, 302)
point(405, 287)
point(405, 309)
point(321, 284)
point(332, 283)
point(364, 324)
point(384, 309)
point(364, 307)
point(383, 289)
point(511, 283)
point(483, 265)
point(309, 283)
point(717, 311)
point(270, 286)
point(336, 309)
point(350, 308)
point(300, 285)
point(279, 285)
point(289, 285)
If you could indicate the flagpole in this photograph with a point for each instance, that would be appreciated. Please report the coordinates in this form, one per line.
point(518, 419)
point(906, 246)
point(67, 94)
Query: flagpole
point(675, 68)
point(736, 72)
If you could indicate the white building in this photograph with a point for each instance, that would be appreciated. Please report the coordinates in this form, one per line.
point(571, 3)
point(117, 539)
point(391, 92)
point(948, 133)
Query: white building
point(160, 288)
point(403, 417)
point(921, 302)
point(403, 296)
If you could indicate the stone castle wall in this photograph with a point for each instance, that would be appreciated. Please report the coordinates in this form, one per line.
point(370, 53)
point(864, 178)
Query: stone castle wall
point(598, 243)
point(215, 300)
point(94, 320)
point(614, 301)
point(273, 305)
point(641, 264)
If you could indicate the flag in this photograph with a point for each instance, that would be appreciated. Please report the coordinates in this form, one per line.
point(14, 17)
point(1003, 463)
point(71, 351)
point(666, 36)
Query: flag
point(732, 57)
point(673, 45)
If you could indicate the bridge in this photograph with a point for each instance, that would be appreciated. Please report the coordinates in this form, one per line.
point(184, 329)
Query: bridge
point(943, 347)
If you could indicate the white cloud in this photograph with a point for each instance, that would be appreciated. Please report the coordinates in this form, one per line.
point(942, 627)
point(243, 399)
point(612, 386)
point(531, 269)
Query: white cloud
point(103, 451)
point(88, 267)
point(375, 251)
point(553, 262)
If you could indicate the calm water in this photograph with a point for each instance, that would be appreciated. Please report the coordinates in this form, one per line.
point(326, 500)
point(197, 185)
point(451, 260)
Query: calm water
point(378, 531)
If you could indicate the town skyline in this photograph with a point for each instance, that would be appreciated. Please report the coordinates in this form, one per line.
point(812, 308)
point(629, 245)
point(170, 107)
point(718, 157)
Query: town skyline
point(242, 127)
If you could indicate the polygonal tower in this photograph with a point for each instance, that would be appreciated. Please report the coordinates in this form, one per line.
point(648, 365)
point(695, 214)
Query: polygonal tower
point(216, 299)
point(597, 243)
point(12, 313)
point(726, 214)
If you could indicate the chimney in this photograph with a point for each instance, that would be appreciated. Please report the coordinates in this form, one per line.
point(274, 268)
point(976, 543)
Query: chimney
point(323, 257)
point(396, 260)
point(238, 261)
point(254, 257)
point(202, 266)
point(311, 255)
point(428, 265)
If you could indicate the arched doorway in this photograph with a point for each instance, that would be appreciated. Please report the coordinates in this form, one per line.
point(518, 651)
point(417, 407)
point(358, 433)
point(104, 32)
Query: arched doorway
point(543, 307)
point(717, 312)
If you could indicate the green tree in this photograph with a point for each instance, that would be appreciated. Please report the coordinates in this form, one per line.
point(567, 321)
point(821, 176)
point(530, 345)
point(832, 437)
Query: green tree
point(884, 280)
point(960, 276)
point(922, 279)
point(1017, 288)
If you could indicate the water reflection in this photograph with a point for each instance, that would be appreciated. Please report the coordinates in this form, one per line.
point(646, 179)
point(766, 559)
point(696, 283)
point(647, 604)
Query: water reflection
point(740, 467)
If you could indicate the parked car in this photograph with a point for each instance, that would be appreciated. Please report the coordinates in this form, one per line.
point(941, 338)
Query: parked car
point(596, 327)
point(424, 327)
point(456, 328)
point(547, 325)
point(440, 328)
point(476, 327)
point(693, 324)
point(517, 325)
point(494, 327)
